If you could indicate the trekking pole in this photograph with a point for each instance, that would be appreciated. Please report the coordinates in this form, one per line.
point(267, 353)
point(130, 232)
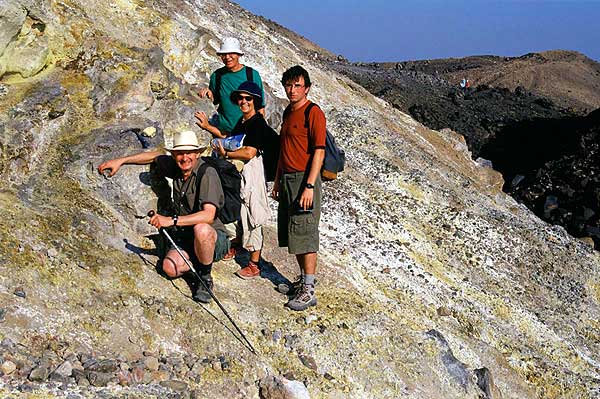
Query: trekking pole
point(212, 295)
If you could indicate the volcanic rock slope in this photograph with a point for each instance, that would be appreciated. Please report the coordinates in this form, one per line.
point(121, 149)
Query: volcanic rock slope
point(432, 284)
point(569, 78)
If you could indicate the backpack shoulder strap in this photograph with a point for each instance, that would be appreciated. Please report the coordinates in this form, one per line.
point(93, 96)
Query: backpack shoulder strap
point(249, 75)
point(286, 112)
point(309, 107)
point(199, 176)
point(218, 76)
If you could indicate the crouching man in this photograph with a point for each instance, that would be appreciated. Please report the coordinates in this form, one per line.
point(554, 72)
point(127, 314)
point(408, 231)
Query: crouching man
point(197, 196)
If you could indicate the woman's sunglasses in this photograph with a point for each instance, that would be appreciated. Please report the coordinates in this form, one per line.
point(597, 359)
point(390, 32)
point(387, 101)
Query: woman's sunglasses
point(247, 98)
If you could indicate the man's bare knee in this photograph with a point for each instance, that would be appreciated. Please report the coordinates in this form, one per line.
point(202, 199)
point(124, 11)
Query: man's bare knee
point(204, 232)
point(169, 266)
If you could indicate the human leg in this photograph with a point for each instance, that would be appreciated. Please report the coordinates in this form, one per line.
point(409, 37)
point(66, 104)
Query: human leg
point(205, 238)
point(253, 242)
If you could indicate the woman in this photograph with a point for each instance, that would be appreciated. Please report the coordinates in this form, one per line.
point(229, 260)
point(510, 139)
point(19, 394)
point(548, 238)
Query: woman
point(255, 208)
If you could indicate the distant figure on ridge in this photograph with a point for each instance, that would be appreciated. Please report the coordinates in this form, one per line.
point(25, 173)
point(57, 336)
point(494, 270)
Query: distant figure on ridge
point(223, 82)
point(297, 184)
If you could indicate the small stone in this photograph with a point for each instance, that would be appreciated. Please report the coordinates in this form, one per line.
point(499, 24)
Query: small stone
point(151, 363)
point(175, 385)
point(137, 375)
point(52, 253)
point(64, 370)
point(99, 379)
point(125, 378)
point(277, 335)
point(279, 387)
point(443, 311)
point(2, 314)
point(40, 373)
point(291, 341)
point(8, 367)
point(20, 292)
point(308, 361)
point(80, 377)
point(310, 318)
point(216, 365)
point(386, 270)
point(150, 131)
point(160, 376)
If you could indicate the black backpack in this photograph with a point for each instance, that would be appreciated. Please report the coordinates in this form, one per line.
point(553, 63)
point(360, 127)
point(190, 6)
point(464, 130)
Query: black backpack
point(231, 181)
point(270, 154)
point(335, 157)
point(219, 74)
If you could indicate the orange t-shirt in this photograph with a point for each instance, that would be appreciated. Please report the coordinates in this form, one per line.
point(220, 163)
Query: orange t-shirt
point(299, 143)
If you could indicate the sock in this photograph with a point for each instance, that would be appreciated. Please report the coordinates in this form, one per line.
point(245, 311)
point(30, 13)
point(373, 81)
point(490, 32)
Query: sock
point(309, 279)
point(204, 270)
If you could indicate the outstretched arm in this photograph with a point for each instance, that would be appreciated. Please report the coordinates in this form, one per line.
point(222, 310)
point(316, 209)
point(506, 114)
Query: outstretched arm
point(142, 158)
point(202, 121)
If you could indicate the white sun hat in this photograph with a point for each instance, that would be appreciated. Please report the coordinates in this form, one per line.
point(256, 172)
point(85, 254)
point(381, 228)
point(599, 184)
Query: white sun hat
point(185, 141)
point(230, 45)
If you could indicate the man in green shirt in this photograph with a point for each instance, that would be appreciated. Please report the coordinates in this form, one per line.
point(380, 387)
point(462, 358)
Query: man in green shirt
point(224, 81)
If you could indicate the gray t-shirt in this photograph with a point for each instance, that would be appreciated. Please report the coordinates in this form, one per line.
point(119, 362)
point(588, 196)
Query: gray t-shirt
point(184, 191)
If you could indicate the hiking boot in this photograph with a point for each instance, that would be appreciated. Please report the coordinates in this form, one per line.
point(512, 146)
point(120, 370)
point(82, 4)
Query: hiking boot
point(290, 288)
point(249, 271)
point(230, 255)
point(293, 288)
point(202, 294)
point(305, 298)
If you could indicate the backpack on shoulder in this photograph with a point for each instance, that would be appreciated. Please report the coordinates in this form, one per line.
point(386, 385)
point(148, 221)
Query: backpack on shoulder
point(335, 157)
point(270, 154)
point(231, 181)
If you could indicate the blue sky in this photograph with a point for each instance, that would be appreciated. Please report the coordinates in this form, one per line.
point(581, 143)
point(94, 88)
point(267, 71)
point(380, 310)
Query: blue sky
point(398, 30)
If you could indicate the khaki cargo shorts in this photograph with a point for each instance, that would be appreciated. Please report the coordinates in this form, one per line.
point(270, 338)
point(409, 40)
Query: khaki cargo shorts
point(297, 230)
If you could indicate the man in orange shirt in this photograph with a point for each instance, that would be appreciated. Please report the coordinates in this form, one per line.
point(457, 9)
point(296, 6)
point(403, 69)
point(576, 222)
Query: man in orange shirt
point(297, 185)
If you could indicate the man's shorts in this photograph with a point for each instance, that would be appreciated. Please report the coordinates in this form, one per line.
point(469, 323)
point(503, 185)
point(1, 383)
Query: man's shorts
point(184, 238)
point(296, 230)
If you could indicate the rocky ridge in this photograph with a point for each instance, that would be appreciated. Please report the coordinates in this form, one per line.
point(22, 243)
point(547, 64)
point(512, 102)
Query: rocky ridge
point(433, 283)
point(567, 77)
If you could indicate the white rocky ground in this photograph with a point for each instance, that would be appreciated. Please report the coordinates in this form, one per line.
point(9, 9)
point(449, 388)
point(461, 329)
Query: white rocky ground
point(431, 279)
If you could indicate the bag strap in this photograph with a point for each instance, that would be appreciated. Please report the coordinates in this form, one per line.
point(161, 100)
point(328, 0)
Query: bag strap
point(309, 107)
point(218, 76)
point(199, 176)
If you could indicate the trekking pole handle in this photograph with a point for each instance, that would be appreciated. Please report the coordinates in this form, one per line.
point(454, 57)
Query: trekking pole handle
point(151, 213)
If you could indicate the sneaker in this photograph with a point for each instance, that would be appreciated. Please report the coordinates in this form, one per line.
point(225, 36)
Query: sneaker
point(230, 255)
point(249, 271)
point(305, 298)
point(202, 294)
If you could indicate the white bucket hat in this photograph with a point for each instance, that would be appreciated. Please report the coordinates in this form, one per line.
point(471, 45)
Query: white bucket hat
point(185, 141)
point(230, 45)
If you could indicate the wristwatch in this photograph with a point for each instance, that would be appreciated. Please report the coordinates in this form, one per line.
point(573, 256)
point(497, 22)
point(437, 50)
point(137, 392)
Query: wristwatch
point(310, 186)
point(175, 218)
